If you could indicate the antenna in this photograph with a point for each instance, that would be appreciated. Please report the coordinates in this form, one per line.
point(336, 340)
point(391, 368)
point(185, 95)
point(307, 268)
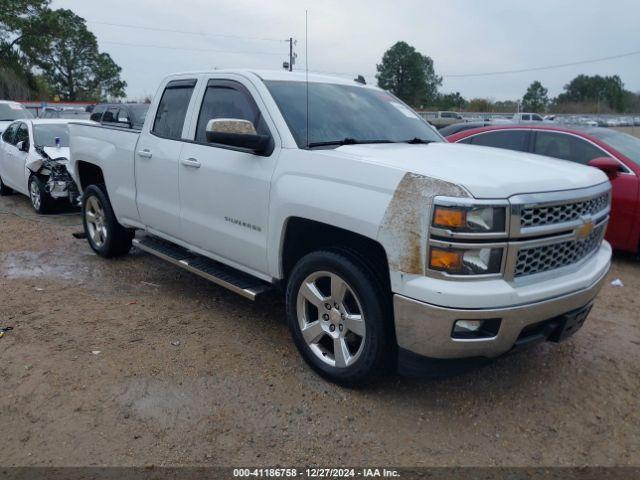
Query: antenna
point(306, 66)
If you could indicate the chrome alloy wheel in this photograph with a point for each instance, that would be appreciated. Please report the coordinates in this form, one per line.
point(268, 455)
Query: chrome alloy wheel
point(331, 319)
point(34, 194)
point(96, 221)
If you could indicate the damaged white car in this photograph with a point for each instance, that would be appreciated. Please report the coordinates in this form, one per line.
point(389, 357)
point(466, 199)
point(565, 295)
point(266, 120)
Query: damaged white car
point(34, 155)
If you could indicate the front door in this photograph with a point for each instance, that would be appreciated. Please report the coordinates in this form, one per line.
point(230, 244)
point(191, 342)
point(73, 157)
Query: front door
point(16, 160)
point(224, 191)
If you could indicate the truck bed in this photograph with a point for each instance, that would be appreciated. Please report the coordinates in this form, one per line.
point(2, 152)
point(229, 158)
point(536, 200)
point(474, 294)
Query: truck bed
point(113, 150)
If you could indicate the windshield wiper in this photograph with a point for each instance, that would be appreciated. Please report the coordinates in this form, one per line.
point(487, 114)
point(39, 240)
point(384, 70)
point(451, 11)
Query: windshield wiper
point(345, 141)
point(419, 141)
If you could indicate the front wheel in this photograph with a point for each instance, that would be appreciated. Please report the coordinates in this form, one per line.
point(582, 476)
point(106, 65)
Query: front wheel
point(41, 201)
point(105, 235)
point(338, 314)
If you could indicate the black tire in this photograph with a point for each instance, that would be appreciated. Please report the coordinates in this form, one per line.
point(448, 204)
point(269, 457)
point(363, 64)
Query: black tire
point(4, 190)
point(117, 241)
point(376, 357)
point(41, 201)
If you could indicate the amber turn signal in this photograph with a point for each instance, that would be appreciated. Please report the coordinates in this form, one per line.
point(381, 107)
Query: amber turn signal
point(449, 217)
point(447, 260)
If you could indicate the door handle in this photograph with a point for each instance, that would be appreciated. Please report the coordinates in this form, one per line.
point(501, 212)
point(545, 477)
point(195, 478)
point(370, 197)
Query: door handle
point(191, 162)
point(146, 153)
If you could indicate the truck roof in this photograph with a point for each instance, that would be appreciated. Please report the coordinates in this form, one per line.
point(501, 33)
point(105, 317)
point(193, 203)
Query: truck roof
point(282, 75)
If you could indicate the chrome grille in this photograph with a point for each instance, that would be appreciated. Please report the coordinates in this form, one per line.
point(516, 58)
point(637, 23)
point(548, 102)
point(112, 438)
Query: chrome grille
point(556, 255)
point(540, 215)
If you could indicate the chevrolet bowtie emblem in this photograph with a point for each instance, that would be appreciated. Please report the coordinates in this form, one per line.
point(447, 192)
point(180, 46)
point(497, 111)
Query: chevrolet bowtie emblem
point(585, 229)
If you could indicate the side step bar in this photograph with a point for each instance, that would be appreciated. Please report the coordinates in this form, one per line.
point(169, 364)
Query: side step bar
point(216, 272)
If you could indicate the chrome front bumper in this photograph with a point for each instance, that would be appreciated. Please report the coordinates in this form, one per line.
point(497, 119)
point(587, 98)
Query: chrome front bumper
point(425, 329)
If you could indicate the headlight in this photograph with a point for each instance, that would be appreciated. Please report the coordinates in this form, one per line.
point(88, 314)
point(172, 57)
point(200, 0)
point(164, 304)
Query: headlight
point(472, 219)
point(471, 261)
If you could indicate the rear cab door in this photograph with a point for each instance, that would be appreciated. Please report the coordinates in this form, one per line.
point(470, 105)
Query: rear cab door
point(157, 156)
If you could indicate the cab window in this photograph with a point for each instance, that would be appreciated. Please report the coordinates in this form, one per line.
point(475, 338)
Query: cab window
point(96, 115)
point(172, 109)
point(110, 115)
point(228, 100)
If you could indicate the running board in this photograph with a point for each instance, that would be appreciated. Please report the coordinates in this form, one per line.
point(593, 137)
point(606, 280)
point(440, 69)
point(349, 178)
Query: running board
point(216, 272)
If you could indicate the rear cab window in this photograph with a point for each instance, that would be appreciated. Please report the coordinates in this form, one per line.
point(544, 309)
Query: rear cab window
point(111, 115)
point(172, 109)
point(96, 115)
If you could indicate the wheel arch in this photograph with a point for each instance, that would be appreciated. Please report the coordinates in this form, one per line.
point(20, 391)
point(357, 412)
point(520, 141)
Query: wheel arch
point(302, 236)
point(89, 174)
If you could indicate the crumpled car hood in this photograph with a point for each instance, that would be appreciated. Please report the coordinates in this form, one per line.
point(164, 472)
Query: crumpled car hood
point(35, 163)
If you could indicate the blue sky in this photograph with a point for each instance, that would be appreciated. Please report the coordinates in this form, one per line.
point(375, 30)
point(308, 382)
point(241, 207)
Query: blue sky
point(350, 36)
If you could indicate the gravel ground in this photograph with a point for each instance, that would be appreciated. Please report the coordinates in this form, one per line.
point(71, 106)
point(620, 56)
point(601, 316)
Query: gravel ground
point(190, 374)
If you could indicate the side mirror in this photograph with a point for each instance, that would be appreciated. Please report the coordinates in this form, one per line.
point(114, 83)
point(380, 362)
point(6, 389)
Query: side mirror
point(23, 146)
point(235, 132)
point(607, 164)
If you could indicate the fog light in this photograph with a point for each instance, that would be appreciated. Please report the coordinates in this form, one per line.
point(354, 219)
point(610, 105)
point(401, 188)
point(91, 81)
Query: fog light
point(476, 328)
point(467, 326)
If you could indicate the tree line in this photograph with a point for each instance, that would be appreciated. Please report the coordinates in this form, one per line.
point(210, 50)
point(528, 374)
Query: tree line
point(46, 54)
point(411, 76)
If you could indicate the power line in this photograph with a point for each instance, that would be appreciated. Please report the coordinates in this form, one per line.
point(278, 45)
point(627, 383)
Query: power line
point(165, 47)
point(187, 32)
point(505, 72)
point(536, 69)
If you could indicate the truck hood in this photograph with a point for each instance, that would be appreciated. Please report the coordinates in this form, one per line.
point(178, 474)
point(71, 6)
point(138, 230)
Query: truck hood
point(485, 172)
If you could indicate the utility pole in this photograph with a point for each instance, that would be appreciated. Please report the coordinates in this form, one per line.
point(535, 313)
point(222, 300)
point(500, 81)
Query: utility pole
point(290, 54)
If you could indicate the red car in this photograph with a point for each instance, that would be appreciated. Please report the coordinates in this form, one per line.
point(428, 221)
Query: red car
point(616, 153)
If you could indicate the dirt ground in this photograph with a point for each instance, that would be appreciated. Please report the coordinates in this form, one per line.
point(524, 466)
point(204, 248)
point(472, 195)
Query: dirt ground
point(190, 374)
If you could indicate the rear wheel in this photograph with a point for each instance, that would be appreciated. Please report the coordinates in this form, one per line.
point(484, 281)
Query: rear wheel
point(4, 190)
point(105, 235)
point(338, 316)
point(41, 201)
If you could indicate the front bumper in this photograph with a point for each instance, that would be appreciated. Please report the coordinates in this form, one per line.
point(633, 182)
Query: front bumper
point(425, 329)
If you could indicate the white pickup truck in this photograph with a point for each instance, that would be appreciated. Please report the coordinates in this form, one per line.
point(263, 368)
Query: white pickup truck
point(395, 249)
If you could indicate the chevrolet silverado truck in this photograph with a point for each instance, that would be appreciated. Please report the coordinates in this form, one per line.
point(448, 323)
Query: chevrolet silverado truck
point(394, 249)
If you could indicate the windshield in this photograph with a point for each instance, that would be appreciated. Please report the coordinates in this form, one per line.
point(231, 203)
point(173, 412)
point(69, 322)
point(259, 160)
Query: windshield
point(626, 144)
point(45, 135)
point(346, 112)
point(13, 111)
point(138, 113)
